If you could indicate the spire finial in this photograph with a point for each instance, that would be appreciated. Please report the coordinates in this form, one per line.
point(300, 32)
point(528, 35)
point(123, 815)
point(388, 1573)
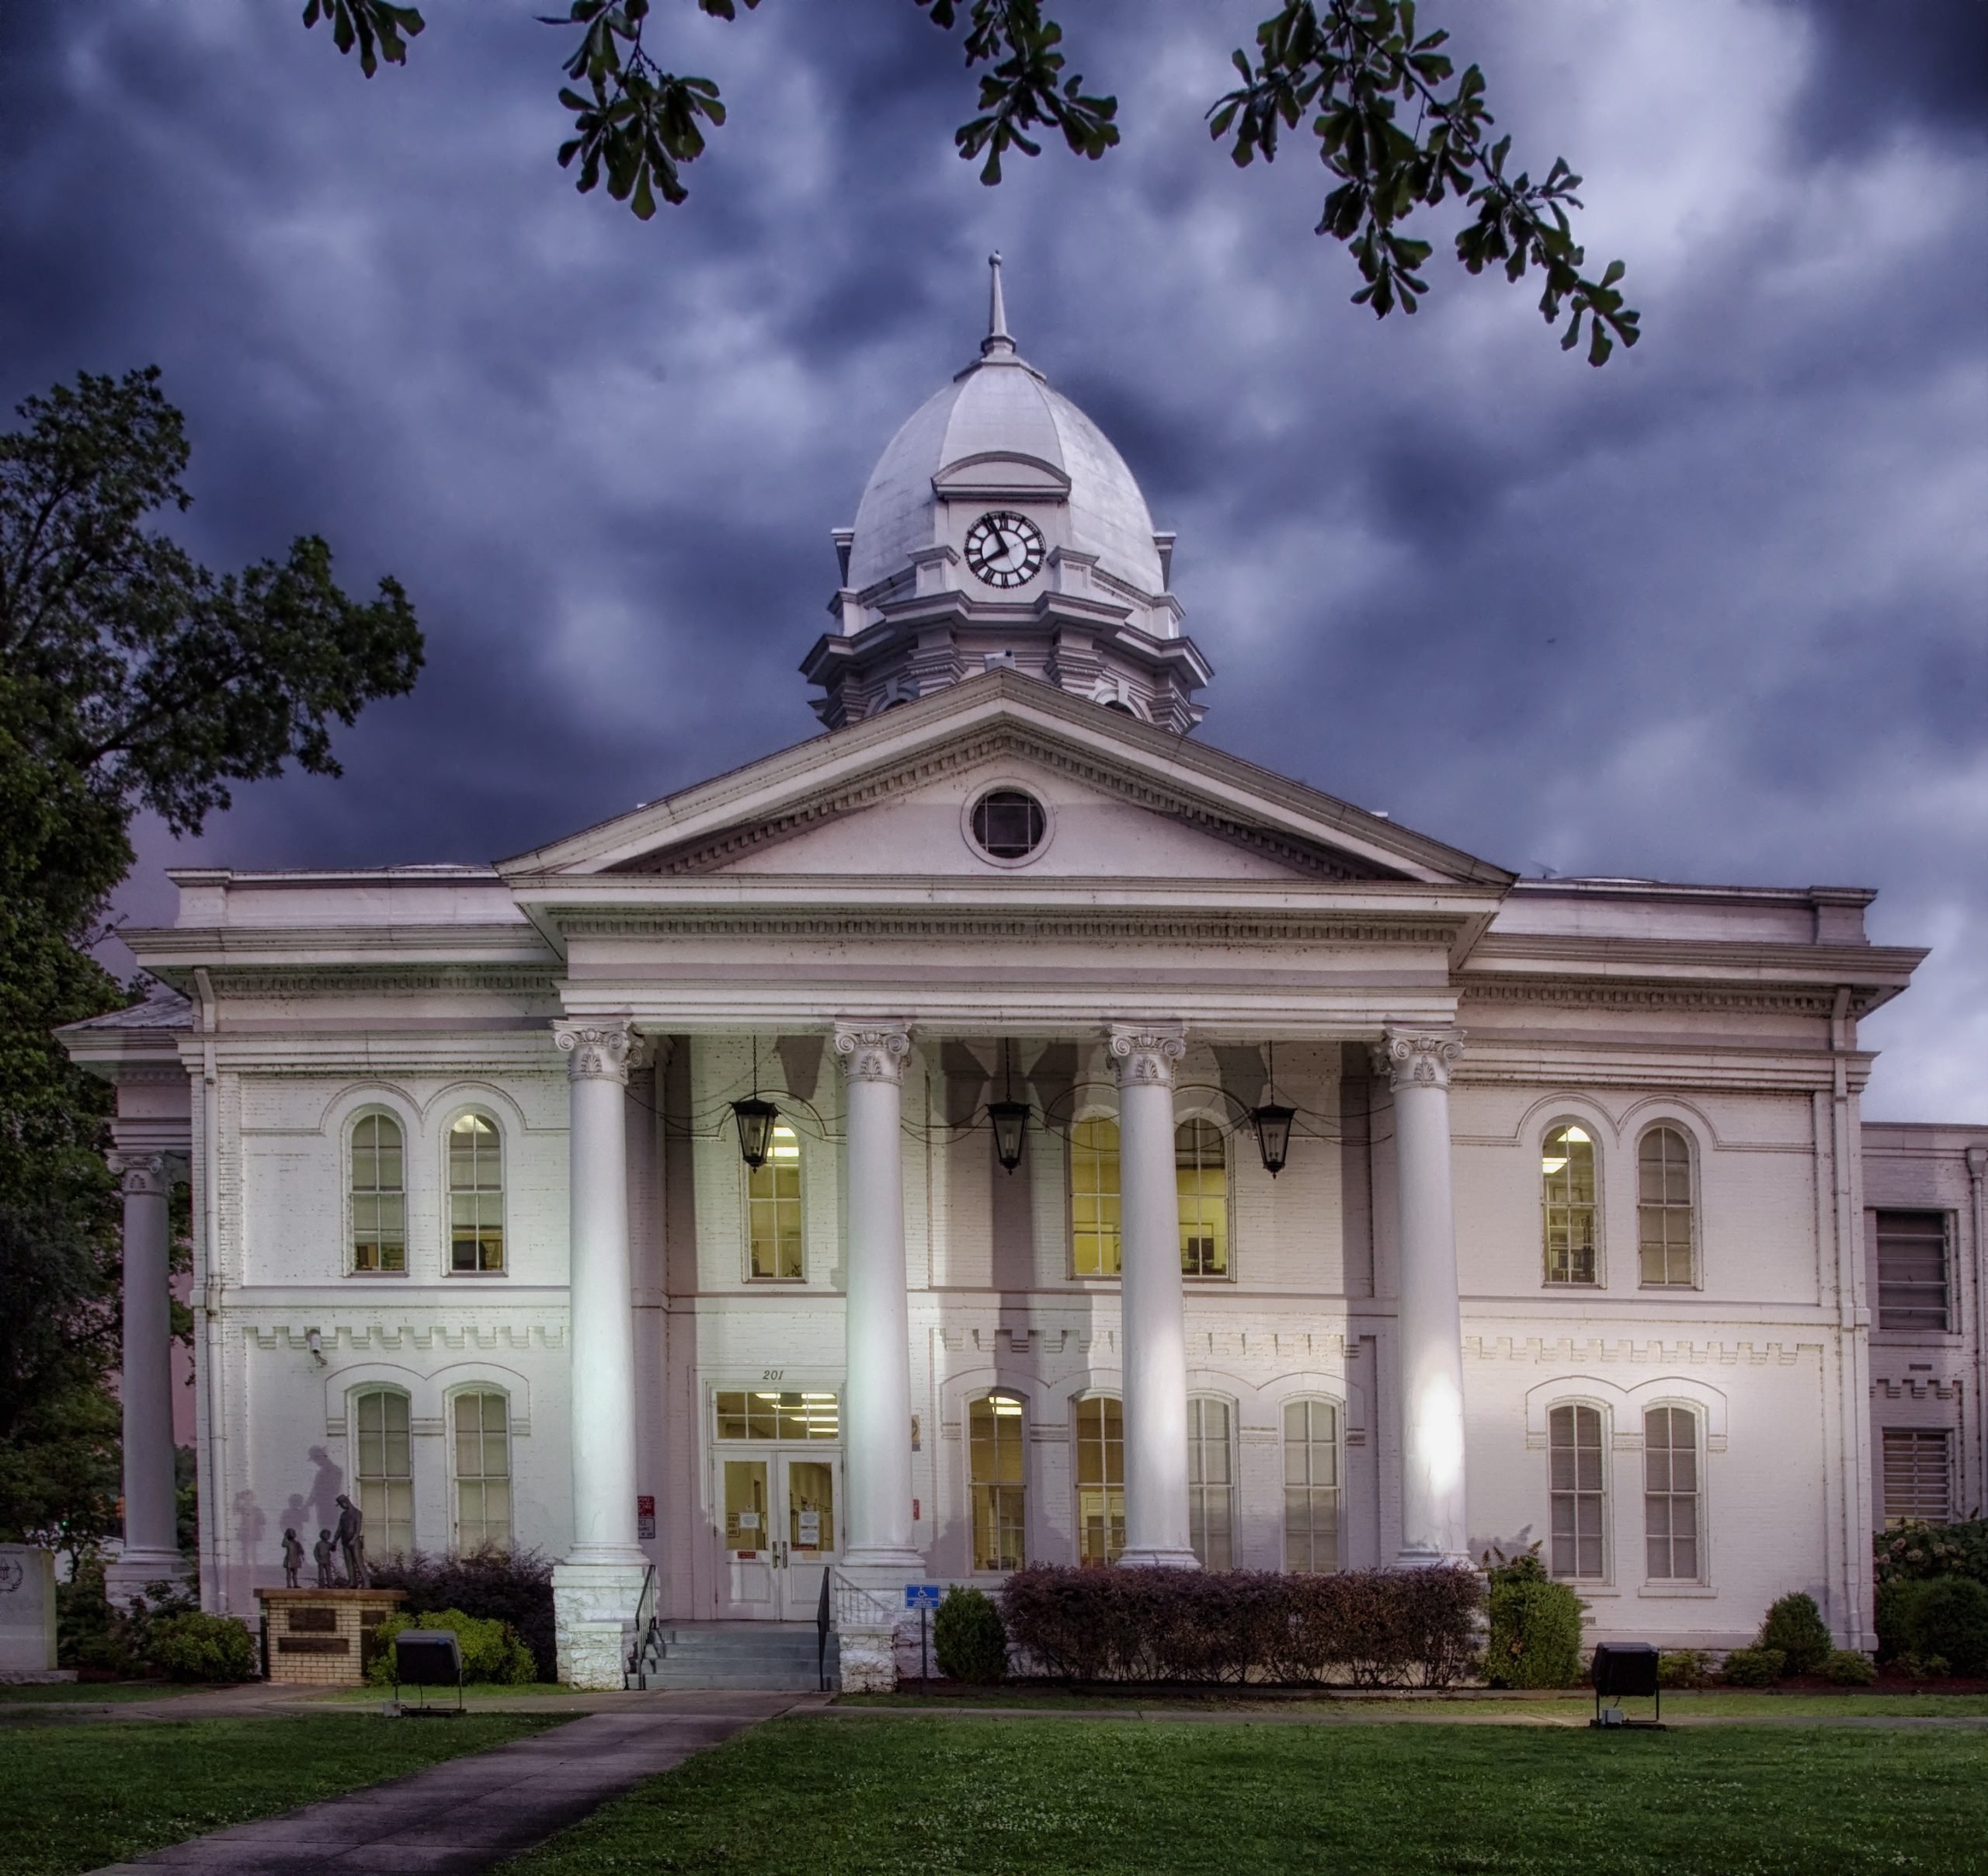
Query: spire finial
point(998, 339)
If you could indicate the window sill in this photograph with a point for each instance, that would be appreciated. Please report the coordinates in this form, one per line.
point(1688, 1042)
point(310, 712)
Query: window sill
point(458, 1276)
point(777, 1283)
point(1665, 1592)
point(1670, 1289)
point(395, 1276)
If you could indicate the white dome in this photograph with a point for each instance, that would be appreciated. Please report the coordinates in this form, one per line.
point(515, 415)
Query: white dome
point(1001, 407)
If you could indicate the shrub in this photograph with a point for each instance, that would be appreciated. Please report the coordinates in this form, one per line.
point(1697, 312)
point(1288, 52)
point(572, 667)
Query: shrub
point(1949, 1616)
point(1686, 1667)
point(1794, 1625)
point(1846, 1668)
point(191, 1646)
point(513, 1586)
point(1896, 1601)
point(1376, 1627)
point(1910, 1666)
point(1917, 1553)
point(103, 1638)
point(491, 1650)
point(969, 1638)
point(1753, 1667)
point(1535, 1638)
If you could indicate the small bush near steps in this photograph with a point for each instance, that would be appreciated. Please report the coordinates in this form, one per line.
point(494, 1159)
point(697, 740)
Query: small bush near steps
point(1753, 1667)
point(969, 1638)
point(1795, 1626)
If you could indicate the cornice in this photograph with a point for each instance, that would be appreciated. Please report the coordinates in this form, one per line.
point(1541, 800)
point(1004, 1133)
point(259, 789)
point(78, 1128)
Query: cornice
point(1815, 1001)
point(286, 982)
point(1750, 958)
point(1157, 927)
point(468, 945)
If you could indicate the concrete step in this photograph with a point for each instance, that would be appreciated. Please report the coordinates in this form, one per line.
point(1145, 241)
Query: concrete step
point(780, 1657)
point(772, 1680)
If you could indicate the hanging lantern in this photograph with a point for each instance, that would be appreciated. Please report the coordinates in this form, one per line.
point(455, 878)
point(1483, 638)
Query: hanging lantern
point(1010, 1120)
point(755, 1119)
point(1273, 1126)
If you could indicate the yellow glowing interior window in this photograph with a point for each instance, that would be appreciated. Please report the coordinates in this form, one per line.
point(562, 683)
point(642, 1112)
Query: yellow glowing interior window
point(772, 1204)
point(1094, 1198)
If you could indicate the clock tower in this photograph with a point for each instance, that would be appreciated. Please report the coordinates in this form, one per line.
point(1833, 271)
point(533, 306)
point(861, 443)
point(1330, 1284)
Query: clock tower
point(1001, 530)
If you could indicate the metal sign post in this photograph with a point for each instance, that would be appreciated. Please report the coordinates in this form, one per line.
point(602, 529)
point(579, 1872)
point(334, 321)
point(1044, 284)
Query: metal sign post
point(922, 1598)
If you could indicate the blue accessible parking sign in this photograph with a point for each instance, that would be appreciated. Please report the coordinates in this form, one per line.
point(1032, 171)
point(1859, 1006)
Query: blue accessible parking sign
point(921, 1595)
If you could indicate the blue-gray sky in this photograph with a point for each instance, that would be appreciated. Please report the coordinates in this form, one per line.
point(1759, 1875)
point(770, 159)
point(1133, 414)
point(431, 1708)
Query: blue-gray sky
point(1714, 612)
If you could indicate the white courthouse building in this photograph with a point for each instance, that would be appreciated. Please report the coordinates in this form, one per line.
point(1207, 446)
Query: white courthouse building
point(1153, 1158)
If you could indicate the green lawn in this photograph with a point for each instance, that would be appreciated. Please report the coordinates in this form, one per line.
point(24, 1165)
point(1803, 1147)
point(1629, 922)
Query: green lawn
point(1735, 1704)
point(1036, 1797)
point(60, 1693)
point(73, 1797)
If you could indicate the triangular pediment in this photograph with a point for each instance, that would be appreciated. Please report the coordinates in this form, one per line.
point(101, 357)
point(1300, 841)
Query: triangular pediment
point(890, 798)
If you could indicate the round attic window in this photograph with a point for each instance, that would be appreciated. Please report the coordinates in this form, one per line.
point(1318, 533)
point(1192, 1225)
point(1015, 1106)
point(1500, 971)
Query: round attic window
point(1008, 824)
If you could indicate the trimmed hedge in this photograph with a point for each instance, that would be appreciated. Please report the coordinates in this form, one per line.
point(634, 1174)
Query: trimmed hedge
point(1795, 1626)
point(1846, 1668)
point(1535, 1638)
point(1374, 1627)
point(968, 1639)
point(492, 1651)
point(1753, 1667)
point(191, 1646)
point(513, 1586)
point(1949, 1617)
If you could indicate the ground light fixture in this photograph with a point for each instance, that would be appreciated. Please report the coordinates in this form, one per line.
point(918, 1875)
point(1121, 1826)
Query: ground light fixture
point(755, 1119)
point(1009, 1116)
point(1272, 1122)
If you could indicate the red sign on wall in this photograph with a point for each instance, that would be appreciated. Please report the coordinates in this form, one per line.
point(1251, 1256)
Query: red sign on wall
point(645, 1516)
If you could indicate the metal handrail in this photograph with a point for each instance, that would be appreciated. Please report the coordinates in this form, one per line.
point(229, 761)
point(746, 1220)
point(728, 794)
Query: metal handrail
point(856, 1608)
point(821, 1625)
point(645, 1619)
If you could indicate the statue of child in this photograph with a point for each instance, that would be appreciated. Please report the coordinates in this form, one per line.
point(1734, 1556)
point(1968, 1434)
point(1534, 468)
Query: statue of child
point(324, 1550)
point(292, 1557)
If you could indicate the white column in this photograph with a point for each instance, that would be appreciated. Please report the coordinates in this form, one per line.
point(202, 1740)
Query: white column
point(144, 1388)
point(597, 1584)
point(1430, 1329)
point(876, 1408)
point(1153, 1332)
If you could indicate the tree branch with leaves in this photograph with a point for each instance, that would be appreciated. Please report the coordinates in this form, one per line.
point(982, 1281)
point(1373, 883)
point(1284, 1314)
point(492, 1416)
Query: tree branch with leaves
point(1397, 125)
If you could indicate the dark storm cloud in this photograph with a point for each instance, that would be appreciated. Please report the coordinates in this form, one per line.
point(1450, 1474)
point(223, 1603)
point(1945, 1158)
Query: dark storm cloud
point(1714, 611)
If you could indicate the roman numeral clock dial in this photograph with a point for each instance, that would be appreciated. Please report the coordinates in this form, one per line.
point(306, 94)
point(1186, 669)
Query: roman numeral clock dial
point(1004, 550)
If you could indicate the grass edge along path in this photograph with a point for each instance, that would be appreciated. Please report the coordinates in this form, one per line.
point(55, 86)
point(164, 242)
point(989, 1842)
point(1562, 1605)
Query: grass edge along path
point(1044, 1797)
point(77, 1797)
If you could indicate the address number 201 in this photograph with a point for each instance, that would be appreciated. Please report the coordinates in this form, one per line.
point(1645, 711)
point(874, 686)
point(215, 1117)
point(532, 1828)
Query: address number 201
point(772, 1374)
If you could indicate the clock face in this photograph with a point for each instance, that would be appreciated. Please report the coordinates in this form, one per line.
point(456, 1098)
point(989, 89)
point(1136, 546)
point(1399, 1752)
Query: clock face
point(1004, 549)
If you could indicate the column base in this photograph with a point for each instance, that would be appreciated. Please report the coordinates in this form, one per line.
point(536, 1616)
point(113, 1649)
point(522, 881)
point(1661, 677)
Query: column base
point(1417, 1559)
point(129, 1576)
point(1158, 1560)
point(594, 1604)
point(871, 1567)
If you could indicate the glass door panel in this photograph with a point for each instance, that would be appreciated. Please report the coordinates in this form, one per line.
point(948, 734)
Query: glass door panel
point(811, 1532)
point(749, 1543)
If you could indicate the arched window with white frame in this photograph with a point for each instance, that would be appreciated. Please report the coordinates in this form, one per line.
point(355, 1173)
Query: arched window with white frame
point(996, 1448)
point(1100, 1479)
point(1568, 1199)
point(1211, 1481)
point(383, 1464)
point(1667, 1209)
point(1311, 1487)
point(476, 1196)
point(1674, 1511)
point(480, 1427)
point(1577, 1461)
point(378, 1195)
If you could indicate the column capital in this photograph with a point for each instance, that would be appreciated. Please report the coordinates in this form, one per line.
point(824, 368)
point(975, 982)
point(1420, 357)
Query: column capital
point(1146, 1053)
point(143, 1175)
point(598, 1050)
point(1418, 1058)
point(873, 1051)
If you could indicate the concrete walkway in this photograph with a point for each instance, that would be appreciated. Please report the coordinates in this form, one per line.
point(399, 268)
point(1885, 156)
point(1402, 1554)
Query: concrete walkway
point(468, 1813)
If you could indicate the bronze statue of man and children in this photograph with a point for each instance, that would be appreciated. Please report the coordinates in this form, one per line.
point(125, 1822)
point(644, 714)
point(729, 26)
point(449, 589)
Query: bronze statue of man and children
point(347, 1542)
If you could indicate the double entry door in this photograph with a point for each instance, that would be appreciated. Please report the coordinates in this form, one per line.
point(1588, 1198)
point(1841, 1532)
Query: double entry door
point(778, 1534)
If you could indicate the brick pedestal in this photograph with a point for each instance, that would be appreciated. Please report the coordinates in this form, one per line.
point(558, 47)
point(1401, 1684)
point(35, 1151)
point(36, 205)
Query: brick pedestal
point(320, 1637)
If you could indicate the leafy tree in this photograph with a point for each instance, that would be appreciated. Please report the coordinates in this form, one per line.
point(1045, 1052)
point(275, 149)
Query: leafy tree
point(131, 678)
point(1396, 126)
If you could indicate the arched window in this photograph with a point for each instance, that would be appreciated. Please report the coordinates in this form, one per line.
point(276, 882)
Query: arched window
point(384, 1465)
point(1094, 1197)
point(379, 1196)
point(476, 1195)
point(1574, 1438)
point(1311, 1487)
point(773, 1206)
point(1665, 1221)
point(1211, 1482)
point(1100, 1479)
point(1201, 1161)
point(1566, 1168)
point(994, 1454)
point(1670, 1493)
point(482, 1429)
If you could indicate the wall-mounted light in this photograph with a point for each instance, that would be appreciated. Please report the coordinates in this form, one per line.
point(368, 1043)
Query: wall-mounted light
point(315, 1343)
point(1272, 1122)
